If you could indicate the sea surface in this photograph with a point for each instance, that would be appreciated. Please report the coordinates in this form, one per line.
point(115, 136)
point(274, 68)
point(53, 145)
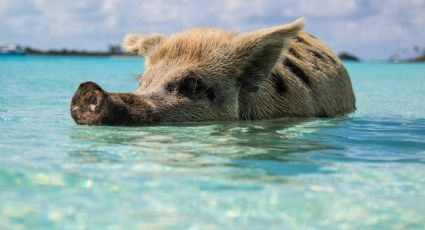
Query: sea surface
point(362, 171)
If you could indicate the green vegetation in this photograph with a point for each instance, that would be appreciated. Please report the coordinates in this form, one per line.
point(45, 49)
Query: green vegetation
point(348, 57)
point(113, 51)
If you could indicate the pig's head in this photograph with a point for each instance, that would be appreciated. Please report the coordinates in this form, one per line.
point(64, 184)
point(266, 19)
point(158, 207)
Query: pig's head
point(196, 75)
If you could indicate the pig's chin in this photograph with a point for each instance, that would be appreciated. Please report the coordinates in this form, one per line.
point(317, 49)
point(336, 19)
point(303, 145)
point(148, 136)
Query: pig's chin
point(91, 105)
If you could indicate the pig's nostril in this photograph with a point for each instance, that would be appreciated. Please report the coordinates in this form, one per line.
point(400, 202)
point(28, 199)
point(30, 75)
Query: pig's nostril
point(92, 107)
point(75, 109)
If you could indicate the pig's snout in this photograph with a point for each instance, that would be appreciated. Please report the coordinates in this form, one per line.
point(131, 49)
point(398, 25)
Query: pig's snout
point(91, 105)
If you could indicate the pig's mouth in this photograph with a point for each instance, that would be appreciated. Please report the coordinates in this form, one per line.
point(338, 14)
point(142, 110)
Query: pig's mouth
point(91, 105)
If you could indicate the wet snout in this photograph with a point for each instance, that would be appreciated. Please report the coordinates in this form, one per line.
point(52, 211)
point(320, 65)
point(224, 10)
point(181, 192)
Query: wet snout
point(91, 105)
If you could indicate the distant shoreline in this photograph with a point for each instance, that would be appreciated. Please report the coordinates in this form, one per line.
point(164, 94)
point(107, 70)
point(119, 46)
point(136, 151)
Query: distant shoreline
point(417, 60)
point(79, 53)
point(114, 51)
point(71, 53)
point(85, 55)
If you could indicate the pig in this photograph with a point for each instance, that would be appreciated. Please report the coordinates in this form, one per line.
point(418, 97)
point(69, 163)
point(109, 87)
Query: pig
point(209, 74)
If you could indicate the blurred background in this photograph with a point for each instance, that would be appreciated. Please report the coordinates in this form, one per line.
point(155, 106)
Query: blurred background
point(370, 30)
point(361, 171)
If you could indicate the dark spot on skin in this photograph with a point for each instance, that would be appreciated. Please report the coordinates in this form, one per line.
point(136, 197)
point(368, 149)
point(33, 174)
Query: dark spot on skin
point(294, 53)
point(301, 40)
point(331, 58)
point(297, 71)
point(316, 54)
point(279, 85)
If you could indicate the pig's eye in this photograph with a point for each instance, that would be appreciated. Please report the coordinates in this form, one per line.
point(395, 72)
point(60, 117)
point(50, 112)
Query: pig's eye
point(193, 88)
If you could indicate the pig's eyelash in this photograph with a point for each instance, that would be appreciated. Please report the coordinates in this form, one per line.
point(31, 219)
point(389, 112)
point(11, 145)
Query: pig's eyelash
point(207, 91)
point(202, 93)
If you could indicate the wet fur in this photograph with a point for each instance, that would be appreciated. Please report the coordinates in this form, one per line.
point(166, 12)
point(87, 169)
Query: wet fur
point(211, 74)
point(276, 72)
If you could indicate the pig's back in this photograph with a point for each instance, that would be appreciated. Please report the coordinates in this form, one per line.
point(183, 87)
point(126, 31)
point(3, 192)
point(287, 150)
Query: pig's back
point(312, 81)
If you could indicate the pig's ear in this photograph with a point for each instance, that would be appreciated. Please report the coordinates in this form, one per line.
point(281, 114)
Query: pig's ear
point(259, 51)
point(143, 44)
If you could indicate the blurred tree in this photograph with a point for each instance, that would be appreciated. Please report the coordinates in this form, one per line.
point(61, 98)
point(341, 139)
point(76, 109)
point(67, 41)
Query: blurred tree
point(115, 49)
point(416, 49)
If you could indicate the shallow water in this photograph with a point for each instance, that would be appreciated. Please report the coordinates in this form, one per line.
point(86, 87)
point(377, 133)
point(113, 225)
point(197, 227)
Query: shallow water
point(364, 170)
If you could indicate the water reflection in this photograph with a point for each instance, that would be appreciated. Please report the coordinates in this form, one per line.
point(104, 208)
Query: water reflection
point(263, 150)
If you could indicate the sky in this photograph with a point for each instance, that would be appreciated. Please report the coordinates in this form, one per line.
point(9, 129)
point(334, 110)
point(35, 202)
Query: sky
point(370, 29)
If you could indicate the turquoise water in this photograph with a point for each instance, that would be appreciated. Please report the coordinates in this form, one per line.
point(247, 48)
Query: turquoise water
point(365, 170)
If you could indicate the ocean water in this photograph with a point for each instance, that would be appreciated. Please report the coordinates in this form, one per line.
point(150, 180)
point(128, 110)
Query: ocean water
point(363, 171)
